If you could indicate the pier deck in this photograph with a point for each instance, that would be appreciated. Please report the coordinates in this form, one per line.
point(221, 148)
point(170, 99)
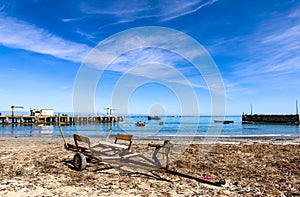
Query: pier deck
point(55, 119)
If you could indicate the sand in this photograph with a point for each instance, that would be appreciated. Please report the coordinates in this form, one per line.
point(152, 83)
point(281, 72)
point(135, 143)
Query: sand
point(40, 166)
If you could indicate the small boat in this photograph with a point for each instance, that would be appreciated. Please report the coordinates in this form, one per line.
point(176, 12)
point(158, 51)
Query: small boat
point(140, 124)
point(153, 118)
point(224, 121)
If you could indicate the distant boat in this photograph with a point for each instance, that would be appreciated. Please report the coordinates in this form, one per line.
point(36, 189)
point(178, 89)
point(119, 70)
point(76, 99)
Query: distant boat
point(153, 118)
point(224, 121)
point(140, 123)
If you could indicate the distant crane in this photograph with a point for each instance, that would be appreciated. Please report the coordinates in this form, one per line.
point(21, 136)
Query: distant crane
point(13, 109)
point(108, 110)
point(111, 110)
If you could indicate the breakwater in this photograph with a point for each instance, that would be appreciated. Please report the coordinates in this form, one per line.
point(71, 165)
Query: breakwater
point(265, 118)
point(65, 120)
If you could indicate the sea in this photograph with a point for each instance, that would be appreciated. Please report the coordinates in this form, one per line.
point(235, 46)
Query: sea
point(179, 127)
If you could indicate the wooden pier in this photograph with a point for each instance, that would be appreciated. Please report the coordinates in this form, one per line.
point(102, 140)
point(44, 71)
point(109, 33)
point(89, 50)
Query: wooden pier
point(264, 118)
point(65, 120)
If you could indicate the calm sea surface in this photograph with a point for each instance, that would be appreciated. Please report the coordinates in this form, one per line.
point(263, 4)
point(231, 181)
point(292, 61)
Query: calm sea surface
point(171, 127)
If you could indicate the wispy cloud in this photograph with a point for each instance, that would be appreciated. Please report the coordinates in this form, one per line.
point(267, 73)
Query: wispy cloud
point(124, 12)
point(19, 34)
point(117, 8)
point(154, 64)
point(158, 65)
point(67, 20)
point(181, 8)
point(276, 52)
point(145, 52)
point(88, 36)
point(268, 57)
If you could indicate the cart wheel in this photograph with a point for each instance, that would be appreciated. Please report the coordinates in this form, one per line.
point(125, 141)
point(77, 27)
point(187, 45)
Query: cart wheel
point(79, 161)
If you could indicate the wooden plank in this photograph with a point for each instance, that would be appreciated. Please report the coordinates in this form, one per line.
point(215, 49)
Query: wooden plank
point(110, 157)
point(124, 137)
point(70, 147)
point(105, 150)
point(130, 155)
point(113, 145)
point(81, 138)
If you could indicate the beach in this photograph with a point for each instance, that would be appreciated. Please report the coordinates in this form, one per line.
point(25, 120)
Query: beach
point(40, 166)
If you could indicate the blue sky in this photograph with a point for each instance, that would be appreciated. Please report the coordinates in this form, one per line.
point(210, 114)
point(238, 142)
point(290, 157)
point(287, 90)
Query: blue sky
point(254, 44)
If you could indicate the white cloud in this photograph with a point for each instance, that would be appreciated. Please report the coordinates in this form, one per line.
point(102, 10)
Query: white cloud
point(88, 36)
point(19, 34)
point(118, 8)
point(111, 49)
point(158, 65)
point(267, 58)
point(277, 51)
point(125, 12)
point(183, 8)
point(156, 54)
point(67, 20)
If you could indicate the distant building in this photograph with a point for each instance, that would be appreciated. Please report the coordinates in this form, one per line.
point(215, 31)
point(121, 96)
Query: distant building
point(41, 112)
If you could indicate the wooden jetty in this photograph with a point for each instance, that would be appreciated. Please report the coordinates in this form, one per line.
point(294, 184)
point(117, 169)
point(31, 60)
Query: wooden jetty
point(271, 118)
point(65, 120)
point(265, 118)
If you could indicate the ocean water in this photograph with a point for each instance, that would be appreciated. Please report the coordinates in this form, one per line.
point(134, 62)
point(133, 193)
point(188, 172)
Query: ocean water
point(179, 127)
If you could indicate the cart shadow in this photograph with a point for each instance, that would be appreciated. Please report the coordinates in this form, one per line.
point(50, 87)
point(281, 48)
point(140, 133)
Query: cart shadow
point(69, 164)
point(134, 174)
point(154, 176)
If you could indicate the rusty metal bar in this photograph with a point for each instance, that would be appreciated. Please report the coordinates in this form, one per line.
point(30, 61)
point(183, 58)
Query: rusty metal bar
point(219, 183)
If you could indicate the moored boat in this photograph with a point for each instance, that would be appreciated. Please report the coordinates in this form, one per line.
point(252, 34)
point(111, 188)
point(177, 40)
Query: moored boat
point(140, 123)
point(224, 121)
point(153, 118)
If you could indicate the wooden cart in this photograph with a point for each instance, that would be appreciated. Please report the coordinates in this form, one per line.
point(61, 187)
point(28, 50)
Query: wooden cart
point(121, 154)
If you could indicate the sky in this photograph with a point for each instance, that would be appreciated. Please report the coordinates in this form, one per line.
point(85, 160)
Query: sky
point(253, 48)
